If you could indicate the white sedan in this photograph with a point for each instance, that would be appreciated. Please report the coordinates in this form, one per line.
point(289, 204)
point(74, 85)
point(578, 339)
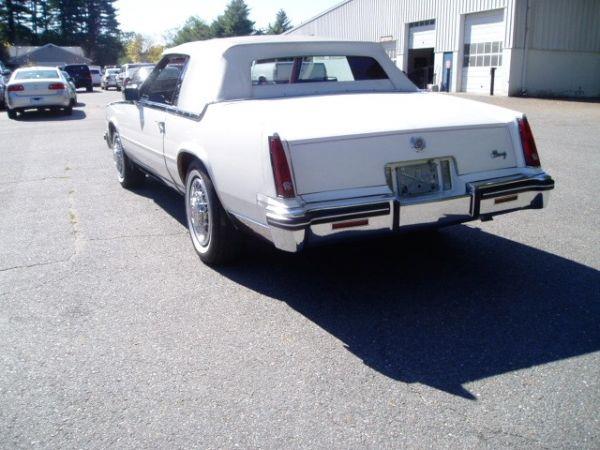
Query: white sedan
point(303, 141)
point(40, 88)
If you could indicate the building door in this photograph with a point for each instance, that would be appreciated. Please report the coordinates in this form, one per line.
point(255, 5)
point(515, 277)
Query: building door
point(447, 72)
point(421, 44)
point(483, 46)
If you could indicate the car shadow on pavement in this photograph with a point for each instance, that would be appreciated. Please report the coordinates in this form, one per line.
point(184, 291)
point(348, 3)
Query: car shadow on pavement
point(49, 116)
point(165, 197)
point(442, 309)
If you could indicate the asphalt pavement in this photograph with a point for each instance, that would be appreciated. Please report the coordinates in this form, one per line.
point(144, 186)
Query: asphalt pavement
point(114, 335)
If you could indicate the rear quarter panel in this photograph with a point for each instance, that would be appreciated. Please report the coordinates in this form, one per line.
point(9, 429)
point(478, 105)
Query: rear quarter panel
point(234, 150)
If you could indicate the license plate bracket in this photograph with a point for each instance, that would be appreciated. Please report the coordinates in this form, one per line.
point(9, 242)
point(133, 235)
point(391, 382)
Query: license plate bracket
point(420, 178)
point(417, 179)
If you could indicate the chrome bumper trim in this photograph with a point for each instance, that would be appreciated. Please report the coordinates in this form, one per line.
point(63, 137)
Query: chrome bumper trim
point(482, 191)
point(327, 215)
point(292, 227)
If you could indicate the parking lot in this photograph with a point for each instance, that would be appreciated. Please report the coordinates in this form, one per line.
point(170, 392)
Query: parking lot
point(114, 334)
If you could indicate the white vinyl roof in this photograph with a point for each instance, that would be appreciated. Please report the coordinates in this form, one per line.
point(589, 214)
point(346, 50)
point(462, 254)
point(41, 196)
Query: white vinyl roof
point(219, 69)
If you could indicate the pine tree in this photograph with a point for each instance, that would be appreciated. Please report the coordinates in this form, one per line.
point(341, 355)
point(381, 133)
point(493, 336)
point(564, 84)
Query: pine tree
point(194, 29)
point(68, 19)
point(234, 21)
point(14, 16)
point(281, 25)
point(102, 32)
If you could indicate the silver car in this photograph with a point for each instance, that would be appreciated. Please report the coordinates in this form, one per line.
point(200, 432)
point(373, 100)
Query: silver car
point(109, 79)
point(38, 88)
point(127, 73)
point(2, 88)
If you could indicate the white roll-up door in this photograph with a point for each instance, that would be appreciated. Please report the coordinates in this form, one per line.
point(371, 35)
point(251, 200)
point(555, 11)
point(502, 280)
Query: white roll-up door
point(483, 46)
point(421, 35)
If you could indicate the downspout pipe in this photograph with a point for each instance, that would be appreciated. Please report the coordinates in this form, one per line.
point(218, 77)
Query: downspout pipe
point(524, 55)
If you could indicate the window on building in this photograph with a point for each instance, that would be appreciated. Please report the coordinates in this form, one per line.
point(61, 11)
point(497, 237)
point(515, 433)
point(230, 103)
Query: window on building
point(483, 54)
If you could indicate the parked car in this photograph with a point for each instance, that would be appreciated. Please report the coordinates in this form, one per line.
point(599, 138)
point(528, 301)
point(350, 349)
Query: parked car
point(81, 76)
point(109, 79)
point(4, 72)
point(71, 87)
point(127, 72)
point(2, 89)
point(96, 72)
point(310, 161)
point(40, 88)
point(140, 76)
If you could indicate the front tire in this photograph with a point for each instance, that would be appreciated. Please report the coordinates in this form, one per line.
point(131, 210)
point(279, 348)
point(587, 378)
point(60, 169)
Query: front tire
point(128, 174)
point(12, 114)
point(213, 235)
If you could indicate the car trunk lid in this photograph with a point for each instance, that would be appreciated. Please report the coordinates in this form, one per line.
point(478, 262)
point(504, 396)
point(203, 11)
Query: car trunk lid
point(347, 141)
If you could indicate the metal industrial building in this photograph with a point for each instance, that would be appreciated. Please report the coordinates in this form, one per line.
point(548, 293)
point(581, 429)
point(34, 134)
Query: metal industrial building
point(530, 47)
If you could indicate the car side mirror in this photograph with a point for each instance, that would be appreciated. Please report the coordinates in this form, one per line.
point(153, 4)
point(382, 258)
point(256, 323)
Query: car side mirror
point(131, 94)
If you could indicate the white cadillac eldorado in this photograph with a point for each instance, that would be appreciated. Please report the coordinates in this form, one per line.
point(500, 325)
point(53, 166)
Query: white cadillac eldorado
point(308, 140)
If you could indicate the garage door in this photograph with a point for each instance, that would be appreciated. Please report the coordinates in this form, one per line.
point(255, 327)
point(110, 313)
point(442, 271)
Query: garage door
point(421, 34)
point(483, 45)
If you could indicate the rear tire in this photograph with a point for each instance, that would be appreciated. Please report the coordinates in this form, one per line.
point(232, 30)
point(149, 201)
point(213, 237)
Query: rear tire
point(90, 89)
point(213, 235)
point(118, 89)
point(12, 114)
point(69, 110)
point(128, 174)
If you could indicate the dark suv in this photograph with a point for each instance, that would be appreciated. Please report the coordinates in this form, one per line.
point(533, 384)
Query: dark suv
point(82, 77)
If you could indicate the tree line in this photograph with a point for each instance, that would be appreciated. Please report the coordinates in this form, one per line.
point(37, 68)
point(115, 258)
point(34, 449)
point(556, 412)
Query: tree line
point(93, 25)
point(235, 21)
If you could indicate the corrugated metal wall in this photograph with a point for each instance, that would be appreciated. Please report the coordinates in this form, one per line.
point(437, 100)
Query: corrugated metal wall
point(571, 25)
point(373, 19)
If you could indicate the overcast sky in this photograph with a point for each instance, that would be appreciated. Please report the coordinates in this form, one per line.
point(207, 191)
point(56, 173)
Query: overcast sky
point(154, 18)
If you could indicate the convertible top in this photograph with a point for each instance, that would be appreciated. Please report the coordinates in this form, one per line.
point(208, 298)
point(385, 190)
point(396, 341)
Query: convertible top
point(220, 68)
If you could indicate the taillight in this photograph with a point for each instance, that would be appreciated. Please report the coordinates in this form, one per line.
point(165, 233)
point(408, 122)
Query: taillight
point(56, 86)
point(127, 80)
point(281, 169)
point(528, 142)
point(16, 88)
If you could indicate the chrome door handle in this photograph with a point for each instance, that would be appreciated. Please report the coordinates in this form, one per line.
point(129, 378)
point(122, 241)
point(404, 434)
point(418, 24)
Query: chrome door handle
point(161, 127)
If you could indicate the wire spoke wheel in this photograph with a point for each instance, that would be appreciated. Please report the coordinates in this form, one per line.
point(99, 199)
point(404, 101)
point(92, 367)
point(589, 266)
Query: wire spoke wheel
point(119, 156)
point(199, 212)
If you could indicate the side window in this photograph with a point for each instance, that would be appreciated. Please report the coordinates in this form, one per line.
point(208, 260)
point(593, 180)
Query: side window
point(162, 85)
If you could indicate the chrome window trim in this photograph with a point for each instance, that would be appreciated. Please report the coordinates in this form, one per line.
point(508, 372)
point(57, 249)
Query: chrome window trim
point(171, 109)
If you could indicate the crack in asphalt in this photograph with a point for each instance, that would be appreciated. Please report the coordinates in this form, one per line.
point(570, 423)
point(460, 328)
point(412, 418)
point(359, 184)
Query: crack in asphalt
point(28, 266)
point(35, 180)
point(133, 236)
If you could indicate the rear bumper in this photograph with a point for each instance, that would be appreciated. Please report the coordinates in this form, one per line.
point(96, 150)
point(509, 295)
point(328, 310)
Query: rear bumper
point(292, 228)
point(45, 101)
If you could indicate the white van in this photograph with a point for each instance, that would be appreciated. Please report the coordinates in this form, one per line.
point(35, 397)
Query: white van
point(96, 72)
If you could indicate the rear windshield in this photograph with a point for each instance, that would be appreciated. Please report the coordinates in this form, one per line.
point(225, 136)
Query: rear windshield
point(77, 69)
point(36, 74)
point(312, 69)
